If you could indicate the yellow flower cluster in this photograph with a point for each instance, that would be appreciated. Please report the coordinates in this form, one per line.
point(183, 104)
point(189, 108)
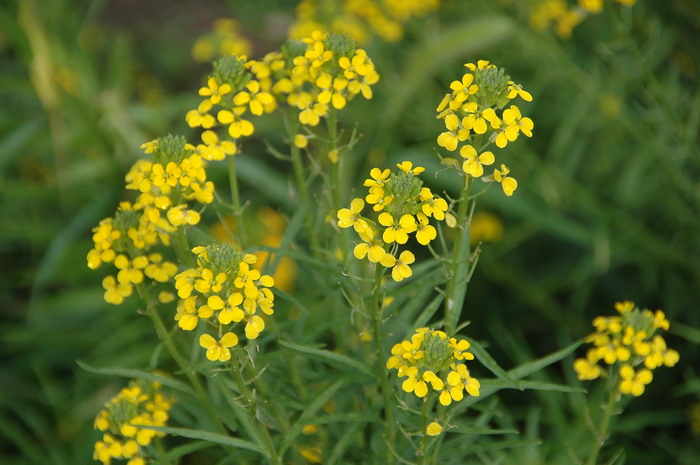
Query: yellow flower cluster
point(224, 39)
point(403, 206)
point(226, 292)
point(472, 124)
point(431, 360)
point(360, 18)
point(628, 341)
point(564, 17)
point(175, 177)
point(139, 404)
point(230, 95)
point(320, 72)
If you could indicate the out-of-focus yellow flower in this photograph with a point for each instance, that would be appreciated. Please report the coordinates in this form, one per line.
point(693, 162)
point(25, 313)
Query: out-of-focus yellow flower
point(627, 341)
point(360, 19)
point(270, 226)
point(224, 39)
point(485, 227)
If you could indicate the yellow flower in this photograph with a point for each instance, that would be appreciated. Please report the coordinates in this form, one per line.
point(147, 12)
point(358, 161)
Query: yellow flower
point(238, 127)
point(424, 231)
point(332, 90)
point(660, 354)
point(463, 89)
point(456, 132)
point(433, 206)
point(213, 148)
point(476, 118)
point(481, 64)
point(407, 167)
point(507, 183)
point(130, 271)
point(351, 216)
point(376, 197)
point(180, 215)
point(402, 270)
point(414, 382)
point(214, 91)
point(254, 326)
point(372, 247)
point(516, 90)
point(474, 164)
point(201, 116)
point(301, 141)
point(188, 314)
point(397, 231)
point(513, 117)
point(591, 6)
point(634, 383)
point(585, 369)
point(218, 350)
point(377, 178)
point(115, 292)
point(313, 114)
point(433, 429)
point(231, 311)
point(258, 102)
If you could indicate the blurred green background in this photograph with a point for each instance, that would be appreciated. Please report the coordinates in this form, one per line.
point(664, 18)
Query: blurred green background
point(608, 206)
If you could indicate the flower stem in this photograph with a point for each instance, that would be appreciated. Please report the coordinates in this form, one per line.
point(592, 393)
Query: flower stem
point(182, 248)
point(423, 448)
point(379, 354)
point(164, 336)
point(604, 430)
point(302, 188)
point(332, 124)
point(236, 201)
point(251, 408)
point(459, 267)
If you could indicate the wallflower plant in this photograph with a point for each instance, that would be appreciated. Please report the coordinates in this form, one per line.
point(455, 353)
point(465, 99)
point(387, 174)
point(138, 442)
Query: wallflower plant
point(626, 349)
point(257, 384)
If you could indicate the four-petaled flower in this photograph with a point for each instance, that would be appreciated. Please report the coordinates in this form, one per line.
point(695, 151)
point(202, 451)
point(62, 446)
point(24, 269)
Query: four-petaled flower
point(218, 350)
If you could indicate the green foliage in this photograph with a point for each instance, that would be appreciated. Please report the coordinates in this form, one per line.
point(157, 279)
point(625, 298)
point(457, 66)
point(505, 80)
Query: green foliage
point(607, 210)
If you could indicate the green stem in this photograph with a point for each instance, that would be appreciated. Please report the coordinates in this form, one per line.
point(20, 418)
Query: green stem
point(336, 188)
point(251, 407)
point(423, 449)
point(332, 124)
point(236, 201)
point(379, 356)
point(164, 336)
point(302, 188)
point(459, 267)
point(604, 430)
point(182, 248)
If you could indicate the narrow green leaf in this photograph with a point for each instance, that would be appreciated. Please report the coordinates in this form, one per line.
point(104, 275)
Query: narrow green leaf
point(307, 414)
point(328, 356)
point(137, 374)
point(207, 436)
point(485, 359)
point(528, 368)
point(246, 419)
point(518, 373)
point(180, 451)
point(496, 445)
point(343, 443)
point(531, 385)
point(364, 417)
point(478, 431)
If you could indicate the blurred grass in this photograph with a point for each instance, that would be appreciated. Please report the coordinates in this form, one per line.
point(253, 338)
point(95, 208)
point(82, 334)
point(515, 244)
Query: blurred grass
point(607, 207)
